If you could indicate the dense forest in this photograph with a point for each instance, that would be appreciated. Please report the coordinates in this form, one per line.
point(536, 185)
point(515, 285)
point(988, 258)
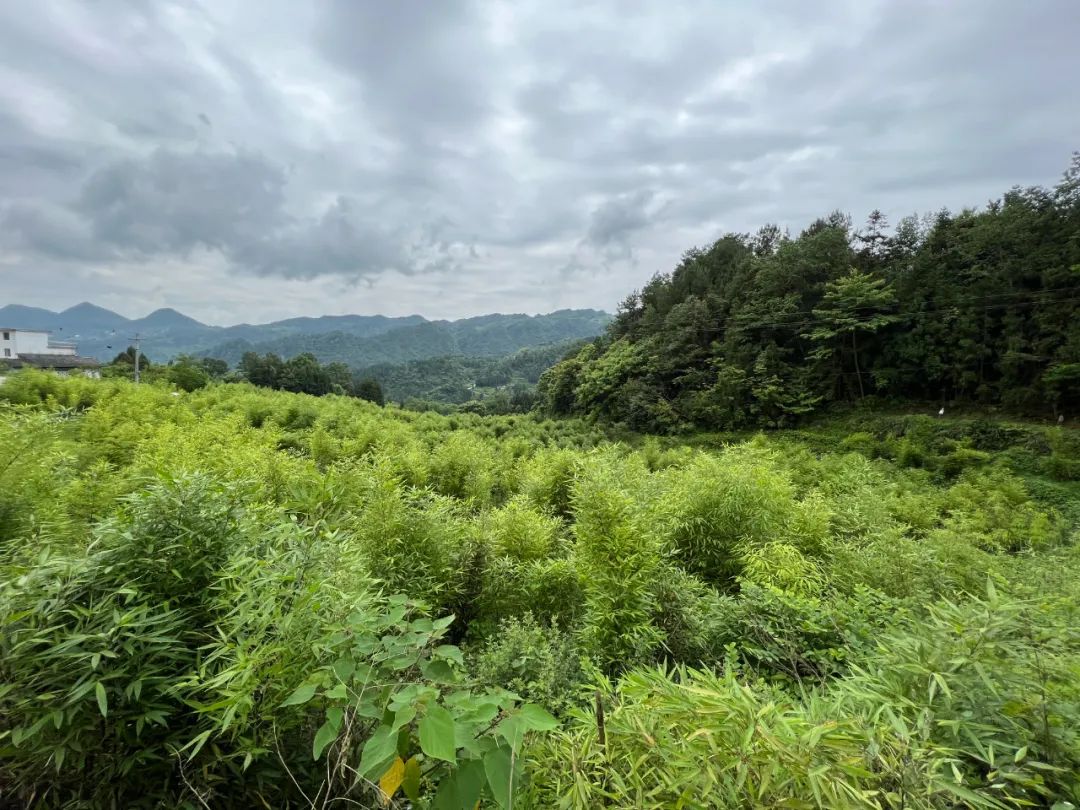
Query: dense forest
point(236, 597)
point(972, 307)
point(505, 383)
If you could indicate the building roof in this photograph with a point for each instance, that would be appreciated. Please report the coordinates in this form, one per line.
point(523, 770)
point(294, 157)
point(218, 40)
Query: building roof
point(23, 329)
point(60, 361)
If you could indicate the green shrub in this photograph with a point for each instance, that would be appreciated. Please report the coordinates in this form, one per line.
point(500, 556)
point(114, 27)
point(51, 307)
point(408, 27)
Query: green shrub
point(554, 590)
point(962, 458)
point(862, 443)
point(193, 608)
point(717, 509)
point(619, 559)
point(908, 453)
point(994, 511)
point(975, 706)
point(517, 530)
point(1061, 468)
point(461, 466)
point(540, 663)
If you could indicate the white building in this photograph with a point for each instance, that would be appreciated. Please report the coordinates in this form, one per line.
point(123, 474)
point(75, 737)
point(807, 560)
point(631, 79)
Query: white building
point(35, 347)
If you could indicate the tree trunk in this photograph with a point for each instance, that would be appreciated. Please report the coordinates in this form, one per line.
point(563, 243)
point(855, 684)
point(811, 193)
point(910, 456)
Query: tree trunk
point(858, 373)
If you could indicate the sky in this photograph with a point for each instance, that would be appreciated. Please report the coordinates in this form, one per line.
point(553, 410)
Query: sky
point(248, 160)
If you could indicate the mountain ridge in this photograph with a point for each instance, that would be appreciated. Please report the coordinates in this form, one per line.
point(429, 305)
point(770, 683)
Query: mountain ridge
point(358, 340)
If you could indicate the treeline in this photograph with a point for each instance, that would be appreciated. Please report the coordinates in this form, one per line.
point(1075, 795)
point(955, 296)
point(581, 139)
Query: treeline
point(304, 374)
point(489, 384)
point(186, 372)
point(975, 307)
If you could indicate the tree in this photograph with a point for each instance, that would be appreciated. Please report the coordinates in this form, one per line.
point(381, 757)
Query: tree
point(857, 302)
point(873, 239)
point(1063, 384)
point(263, 371)
point(304, 374)
point(214, 367)
point(759, 326)
point(187, 373)
point(127, 357)
point(369, 389)
point(340, 377)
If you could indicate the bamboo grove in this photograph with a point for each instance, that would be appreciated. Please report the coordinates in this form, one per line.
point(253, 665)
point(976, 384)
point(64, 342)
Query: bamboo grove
point(236, 597)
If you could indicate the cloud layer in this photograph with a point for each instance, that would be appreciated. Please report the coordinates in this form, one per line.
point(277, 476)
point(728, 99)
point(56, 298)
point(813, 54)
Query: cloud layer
point(244, 161)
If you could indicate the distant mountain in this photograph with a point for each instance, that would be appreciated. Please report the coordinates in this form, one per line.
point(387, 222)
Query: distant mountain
point(358, 340)
point(17, 316)
point(484, 336)
point(87, 317)
point(167, 318)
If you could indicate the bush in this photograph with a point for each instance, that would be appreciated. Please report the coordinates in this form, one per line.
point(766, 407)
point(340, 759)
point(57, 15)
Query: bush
point(962, 458)
point(716, 510)
point(862, 443)
point(539, 663)
point(518, 531)
point(619, 559)
point(974, 706)
point(194, 609)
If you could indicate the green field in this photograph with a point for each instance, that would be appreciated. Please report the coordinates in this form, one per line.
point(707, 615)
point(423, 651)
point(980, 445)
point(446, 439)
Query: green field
point(238, 597)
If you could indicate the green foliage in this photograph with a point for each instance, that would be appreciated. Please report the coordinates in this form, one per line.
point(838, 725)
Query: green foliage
point(402, 340)
point(719, 511)
point(619, 558)
point(764, 329)
point(516, 530)
point(187, 373)
point(538, 662)
point(368, 388)
point(195, 608)
point(964, 708)
point(490, 385)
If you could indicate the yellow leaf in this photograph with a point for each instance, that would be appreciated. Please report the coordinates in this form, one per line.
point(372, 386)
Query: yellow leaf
point(392, 779)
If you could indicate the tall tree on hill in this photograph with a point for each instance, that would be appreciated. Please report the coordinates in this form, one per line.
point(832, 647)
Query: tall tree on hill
point(853, 304)
point(127, 357)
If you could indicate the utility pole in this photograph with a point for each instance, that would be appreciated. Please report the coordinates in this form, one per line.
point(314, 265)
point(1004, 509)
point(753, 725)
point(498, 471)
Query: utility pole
point(136, 339)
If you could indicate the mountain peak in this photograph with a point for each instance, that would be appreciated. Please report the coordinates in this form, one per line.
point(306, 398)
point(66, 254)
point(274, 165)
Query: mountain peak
point(86, 308)
point(167, 317)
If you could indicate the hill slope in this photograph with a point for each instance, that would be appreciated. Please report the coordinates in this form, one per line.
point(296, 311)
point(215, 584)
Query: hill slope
point(457, 379)
point(969, 307)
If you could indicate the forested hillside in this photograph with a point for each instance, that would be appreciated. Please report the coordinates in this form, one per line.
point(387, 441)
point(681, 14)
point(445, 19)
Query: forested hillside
point(356, 340)
point(238, 597)
point(458, 379)
point(483, 336)
point(975, 307)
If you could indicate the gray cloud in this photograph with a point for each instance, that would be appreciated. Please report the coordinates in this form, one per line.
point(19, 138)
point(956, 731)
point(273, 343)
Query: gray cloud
point(616, 220)
point(172, 202)
point(469, 156)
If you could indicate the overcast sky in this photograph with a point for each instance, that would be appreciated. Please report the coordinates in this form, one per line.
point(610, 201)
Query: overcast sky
point(246, 160)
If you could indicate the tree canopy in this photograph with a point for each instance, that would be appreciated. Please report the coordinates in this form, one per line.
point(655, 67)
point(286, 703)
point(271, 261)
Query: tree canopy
point(979, 306)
